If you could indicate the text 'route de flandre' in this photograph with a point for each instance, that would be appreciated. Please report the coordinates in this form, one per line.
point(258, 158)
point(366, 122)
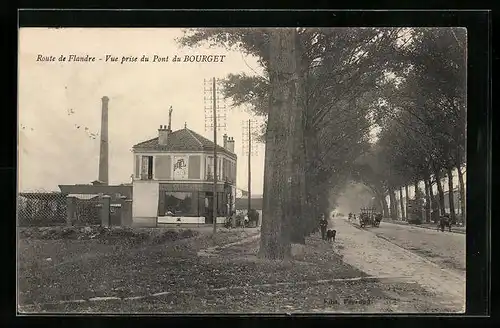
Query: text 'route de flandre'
point(132, 59)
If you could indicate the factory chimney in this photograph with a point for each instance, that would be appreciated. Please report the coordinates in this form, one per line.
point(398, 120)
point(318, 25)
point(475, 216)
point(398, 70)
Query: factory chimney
point(169, 129)
point(103, 156)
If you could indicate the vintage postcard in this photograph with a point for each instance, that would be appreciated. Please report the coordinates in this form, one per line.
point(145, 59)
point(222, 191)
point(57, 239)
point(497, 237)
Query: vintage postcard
point(241, 170)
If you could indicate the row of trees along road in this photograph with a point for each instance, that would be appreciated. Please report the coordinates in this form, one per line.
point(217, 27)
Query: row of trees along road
point(323, 91)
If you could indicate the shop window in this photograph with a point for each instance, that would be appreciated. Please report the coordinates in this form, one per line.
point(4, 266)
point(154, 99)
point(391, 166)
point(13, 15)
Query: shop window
point(180, 204)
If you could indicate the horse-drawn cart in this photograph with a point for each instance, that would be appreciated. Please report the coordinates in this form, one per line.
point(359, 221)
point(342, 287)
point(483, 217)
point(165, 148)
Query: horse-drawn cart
point(368, 216)
point(445, 221)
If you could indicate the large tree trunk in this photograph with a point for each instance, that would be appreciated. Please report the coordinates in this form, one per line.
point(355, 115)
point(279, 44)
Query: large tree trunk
point(434, 203)
point(428, 200)
point(396, 204)
point(402, 203)
point(385, 207)
point(383, 203)
point(418, 200)
point(407, 198)
point(392, 199)
point(417, 189)
point(437, 176)
point(278, 172)
point(323, 203)
point(451, 194)
point(298, 154)
point(312, 200)
point(311, 208)
point(462, 191)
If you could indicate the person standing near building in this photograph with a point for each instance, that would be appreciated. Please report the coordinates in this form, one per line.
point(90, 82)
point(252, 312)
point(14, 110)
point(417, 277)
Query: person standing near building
point(323, 223)
point(246, 220)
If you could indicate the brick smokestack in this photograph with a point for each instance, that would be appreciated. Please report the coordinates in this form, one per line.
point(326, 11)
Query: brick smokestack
point(103, 156)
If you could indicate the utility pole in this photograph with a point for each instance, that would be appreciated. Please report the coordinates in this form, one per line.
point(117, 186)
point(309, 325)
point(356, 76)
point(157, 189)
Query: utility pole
point(214, 95)
point(215, 118)
point(249, 169)
point(248, 128)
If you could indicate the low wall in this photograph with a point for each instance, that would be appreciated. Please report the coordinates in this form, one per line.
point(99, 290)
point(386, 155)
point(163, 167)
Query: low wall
point(181, 219)
point(144, 221)
point(186, 220)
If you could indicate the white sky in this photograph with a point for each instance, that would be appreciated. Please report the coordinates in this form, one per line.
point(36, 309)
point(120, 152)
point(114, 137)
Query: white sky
point(52, 151)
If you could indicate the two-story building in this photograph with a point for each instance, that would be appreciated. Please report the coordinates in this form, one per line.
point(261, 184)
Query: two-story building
point(173, 178)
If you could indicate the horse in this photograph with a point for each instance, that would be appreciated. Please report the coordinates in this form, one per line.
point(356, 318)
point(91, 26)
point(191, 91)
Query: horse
point(363, 219)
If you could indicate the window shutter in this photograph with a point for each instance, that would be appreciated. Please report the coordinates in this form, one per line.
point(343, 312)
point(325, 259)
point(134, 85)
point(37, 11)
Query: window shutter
point(144, 167)
point(137, 166)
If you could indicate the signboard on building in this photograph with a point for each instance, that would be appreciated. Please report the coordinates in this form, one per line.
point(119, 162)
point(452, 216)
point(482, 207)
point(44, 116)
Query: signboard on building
point(190, 187)
point(180, 167)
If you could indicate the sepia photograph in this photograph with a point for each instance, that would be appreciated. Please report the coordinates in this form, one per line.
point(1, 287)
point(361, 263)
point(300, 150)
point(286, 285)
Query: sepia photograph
point(242, 170)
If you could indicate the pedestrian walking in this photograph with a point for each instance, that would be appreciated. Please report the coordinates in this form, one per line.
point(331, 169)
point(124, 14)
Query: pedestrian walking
point(323, 223)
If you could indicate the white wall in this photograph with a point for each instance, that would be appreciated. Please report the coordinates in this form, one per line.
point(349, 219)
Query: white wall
point(145, 198)
point(183, 219)
point(203, 163)
point(186, 220)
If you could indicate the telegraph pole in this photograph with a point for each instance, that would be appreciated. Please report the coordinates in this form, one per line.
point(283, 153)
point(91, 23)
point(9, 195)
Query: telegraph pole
point(214, 95)
point(215, 118)
point(251, 151)
point(249, 168)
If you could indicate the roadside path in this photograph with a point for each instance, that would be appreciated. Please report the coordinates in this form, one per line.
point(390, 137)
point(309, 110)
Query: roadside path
point(428, 226)
point(378, 257)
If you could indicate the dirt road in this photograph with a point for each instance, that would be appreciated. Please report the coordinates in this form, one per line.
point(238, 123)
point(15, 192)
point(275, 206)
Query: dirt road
point(376, 256)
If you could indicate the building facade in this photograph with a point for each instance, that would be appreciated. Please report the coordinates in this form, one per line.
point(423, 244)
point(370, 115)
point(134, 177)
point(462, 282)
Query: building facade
point(173, 178)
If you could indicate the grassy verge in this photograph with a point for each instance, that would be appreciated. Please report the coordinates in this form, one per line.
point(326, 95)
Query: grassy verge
point(64, 269)
point(343, 297)
point(231, 280)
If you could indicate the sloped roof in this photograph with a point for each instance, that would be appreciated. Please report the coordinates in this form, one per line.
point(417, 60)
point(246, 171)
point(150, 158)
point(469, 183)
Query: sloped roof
point(181, 140)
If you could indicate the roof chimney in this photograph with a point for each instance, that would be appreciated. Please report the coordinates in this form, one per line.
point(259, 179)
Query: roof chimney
point(230, 144)
point(103, 156)
point(225, 140)
point(163, 135)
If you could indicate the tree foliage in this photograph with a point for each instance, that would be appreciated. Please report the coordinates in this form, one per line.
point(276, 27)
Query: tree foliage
point(409, 83)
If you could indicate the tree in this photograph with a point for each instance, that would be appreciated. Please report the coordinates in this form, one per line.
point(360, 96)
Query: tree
point(340, 75)
point(278, 172)
point(427, 103)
